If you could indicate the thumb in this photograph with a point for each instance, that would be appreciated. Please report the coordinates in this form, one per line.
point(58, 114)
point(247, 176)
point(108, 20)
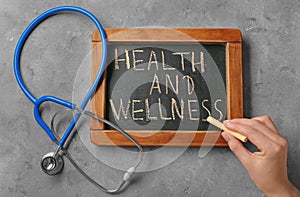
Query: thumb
point(237, 148)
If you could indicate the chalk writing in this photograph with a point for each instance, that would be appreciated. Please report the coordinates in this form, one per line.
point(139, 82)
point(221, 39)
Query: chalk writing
point(173, 90)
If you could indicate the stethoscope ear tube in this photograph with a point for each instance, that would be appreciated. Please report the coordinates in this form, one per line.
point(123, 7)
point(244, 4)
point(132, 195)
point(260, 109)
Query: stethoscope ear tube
point(38, 117)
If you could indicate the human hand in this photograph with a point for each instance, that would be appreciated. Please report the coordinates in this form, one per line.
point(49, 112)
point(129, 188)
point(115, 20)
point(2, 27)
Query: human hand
point(268, 167)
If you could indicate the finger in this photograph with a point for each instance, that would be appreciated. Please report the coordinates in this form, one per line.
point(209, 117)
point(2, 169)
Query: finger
point(237, 148)
point(261, 127)
point(268, 122)
point(257, 138)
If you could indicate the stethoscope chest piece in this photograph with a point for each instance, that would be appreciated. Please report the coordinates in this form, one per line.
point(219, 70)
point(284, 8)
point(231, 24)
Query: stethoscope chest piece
point(52, 163)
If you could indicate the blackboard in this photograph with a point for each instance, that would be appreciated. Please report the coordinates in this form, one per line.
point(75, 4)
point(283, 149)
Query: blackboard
point(165, 86)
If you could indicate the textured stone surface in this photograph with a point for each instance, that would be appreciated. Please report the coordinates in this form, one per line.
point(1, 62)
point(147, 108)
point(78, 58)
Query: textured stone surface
point(270, 29)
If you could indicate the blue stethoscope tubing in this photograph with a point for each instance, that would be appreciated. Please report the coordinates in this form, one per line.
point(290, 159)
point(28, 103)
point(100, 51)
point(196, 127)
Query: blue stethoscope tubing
point(38, 101)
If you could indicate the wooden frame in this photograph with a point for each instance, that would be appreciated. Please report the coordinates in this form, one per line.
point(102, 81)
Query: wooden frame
point(233, 40)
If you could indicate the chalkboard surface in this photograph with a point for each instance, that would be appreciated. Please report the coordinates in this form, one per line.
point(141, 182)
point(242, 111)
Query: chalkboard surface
point(160, 85)
point(169, 93)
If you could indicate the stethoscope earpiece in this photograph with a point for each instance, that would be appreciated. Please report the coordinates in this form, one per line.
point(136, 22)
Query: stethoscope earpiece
point(52, 163)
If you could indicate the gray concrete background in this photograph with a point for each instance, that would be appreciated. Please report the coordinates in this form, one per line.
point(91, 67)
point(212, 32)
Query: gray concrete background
point(55, 50)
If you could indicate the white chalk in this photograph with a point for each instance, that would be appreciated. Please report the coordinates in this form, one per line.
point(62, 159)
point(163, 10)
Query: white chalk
point(220, 125)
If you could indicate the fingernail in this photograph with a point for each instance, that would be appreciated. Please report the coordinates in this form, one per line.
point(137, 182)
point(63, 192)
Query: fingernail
point(225, 136)
point(227, 122)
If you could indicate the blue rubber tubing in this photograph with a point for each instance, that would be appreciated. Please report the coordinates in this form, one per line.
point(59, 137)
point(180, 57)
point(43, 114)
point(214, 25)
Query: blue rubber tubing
point(39, 101)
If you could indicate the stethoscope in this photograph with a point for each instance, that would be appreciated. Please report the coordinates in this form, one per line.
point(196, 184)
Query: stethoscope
point(53, 163)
